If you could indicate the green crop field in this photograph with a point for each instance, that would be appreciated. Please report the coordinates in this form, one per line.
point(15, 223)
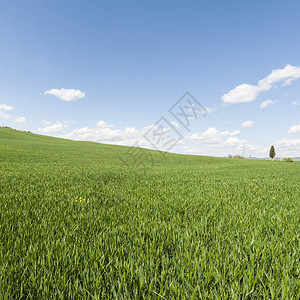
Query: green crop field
point(81, 220)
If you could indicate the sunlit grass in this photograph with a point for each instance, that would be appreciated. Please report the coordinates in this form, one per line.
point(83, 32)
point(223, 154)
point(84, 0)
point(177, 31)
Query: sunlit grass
point(76, 222)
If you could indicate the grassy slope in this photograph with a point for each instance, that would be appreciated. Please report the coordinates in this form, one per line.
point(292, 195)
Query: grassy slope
point(174, 226)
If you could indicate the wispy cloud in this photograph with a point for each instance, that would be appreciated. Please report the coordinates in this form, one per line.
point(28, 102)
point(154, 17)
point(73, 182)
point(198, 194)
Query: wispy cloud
point(267, 103)
point(247, 124)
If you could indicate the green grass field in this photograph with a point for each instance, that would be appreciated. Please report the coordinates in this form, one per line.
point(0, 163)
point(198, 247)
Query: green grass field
point(177, 227)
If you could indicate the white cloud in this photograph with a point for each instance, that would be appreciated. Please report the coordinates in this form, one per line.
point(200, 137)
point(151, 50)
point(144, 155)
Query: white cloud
point(212, 135)
point(103, 124)
point(6, 107)
point(47, 123)
point(174, 123)
point(221, 141)
point(247, 124)
point(20, 120)
point(106, 135)
point(247, 92)
point(267, 103)
point(234, 142)
point(130, 136)
point(295, 128)
point(295, 103)
point(228, 133)
point(287, 147)
point(208, 142)
point(66, 94)
point(286, 142)
point(52, 128)
point(4, 115)
point(242, 93)
point(210, 110)
point(257, 149)
point(226, 143)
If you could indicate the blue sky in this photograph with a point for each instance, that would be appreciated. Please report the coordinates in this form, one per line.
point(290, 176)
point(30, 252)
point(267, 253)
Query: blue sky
point(107, 71)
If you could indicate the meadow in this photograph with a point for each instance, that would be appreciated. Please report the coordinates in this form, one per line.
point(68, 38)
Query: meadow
point(81, 220)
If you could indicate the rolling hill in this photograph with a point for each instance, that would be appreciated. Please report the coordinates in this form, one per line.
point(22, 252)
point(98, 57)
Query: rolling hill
point(95, 221)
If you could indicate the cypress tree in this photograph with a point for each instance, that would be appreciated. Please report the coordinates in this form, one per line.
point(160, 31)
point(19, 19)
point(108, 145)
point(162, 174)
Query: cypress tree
point(272, 152)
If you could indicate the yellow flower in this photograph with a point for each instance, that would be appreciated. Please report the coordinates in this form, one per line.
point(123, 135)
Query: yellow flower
point(75, 200)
